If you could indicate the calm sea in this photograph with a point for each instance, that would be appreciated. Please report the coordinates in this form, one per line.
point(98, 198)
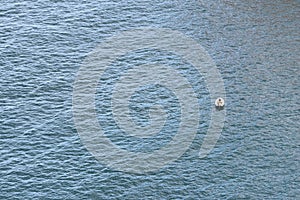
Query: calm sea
point(255, 46)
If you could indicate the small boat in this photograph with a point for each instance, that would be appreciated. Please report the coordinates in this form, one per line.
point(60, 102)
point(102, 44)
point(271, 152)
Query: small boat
point(219, 103)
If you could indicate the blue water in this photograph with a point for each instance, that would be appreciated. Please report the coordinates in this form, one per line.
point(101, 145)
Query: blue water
point(255, 46)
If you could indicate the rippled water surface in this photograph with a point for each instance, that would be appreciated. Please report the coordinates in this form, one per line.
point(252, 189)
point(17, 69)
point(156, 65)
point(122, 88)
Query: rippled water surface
point(255, 45)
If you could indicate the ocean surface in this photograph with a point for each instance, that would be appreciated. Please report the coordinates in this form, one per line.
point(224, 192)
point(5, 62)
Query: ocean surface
point(255, 46)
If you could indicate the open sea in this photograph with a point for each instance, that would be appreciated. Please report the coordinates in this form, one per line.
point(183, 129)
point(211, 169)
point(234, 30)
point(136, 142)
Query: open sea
point(255, 46)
